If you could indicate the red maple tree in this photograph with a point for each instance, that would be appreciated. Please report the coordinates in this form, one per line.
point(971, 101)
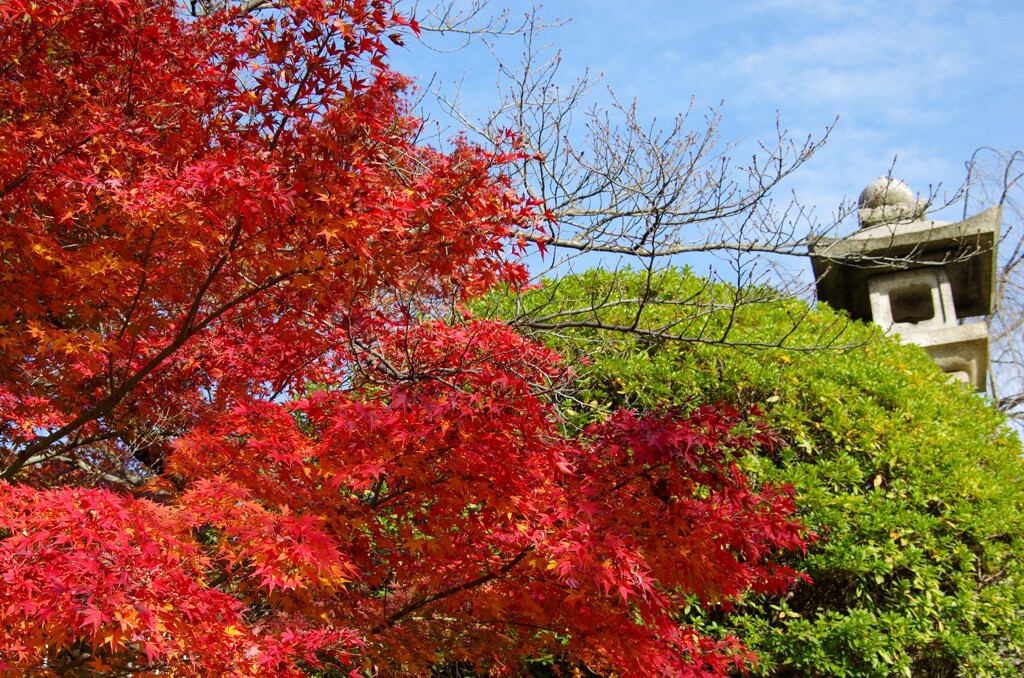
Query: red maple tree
point(239, 436)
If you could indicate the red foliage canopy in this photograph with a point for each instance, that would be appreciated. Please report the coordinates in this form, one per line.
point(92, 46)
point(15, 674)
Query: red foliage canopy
point(234, 442)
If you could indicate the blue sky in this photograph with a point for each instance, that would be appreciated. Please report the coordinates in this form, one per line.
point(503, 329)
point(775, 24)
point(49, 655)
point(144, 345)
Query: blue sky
point(922, 82)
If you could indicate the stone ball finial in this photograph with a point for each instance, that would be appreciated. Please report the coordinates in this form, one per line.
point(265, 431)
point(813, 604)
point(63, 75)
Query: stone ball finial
point(888, 201)
point(886, 191)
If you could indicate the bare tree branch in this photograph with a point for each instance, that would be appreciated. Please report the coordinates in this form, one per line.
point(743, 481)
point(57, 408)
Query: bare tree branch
point(997, 177)
point(622, 191)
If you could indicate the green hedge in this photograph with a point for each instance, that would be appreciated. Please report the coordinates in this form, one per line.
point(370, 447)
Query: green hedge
point(914, 485)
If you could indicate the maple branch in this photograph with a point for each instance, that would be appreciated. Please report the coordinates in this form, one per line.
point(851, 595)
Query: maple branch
point(129, 480)
point(141, 288)
point(372, 501)
point(473, 583)
point(253, 5)
point(18, 59)
point(469, 22)
point(325, 41)
point(73, 444)
point(243, 7)
point(186, 332)
point(25, 175)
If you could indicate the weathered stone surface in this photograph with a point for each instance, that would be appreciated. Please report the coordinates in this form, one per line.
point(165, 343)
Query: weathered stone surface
point(912, 300)
point(966, 249)
point(889, 201)
point(915, 277)
point(960, 350)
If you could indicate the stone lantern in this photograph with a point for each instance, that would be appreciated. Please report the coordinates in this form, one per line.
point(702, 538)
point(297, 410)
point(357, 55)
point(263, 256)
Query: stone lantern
point(915, 277)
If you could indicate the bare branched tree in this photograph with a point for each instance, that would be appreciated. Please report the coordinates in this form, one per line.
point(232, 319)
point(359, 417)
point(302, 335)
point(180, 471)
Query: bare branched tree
point(469, 22)
point(997, 177)
point(621, 191)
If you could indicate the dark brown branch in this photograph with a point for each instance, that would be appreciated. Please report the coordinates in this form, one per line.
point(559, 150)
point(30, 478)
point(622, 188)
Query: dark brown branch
point(423, 601)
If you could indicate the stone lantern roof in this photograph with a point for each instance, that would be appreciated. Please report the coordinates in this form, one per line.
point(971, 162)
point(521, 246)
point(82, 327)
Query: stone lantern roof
point(895, 235)
point(916, 277)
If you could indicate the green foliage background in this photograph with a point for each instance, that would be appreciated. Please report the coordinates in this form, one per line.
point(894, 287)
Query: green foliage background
point(914, 485)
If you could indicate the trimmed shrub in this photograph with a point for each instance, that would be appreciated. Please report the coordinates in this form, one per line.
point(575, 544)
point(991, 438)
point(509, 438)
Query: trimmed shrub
point(914, 485)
